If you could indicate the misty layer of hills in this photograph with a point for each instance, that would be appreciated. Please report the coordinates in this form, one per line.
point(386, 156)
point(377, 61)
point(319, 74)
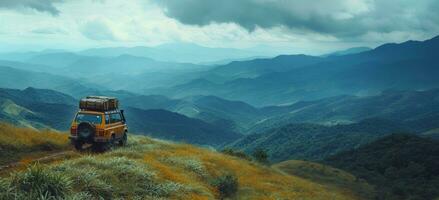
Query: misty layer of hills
point(260, 82)
point(330, 109)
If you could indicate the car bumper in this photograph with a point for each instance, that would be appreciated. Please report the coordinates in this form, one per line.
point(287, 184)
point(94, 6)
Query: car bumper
point(95, 139)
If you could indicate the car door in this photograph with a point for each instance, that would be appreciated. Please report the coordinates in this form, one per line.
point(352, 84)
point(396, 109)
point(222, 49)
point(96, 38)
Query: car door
point(116, 124)
point(109, 125)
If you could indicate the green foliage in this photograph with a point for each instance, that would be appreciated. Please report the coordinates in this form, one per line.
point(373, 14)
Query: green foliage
point(401, 166)
point(6, 190)
point(261, 156)
point(88, 180)
point(312, 141)
point(39, 182)
point(88, 177)
point(239, 154)
point(109, 177)
point(227, 185)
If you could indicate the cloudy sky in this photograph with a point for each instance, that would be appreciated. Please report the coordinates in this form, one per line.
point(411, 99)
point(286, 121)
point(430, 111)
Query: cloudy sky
point(290, 26)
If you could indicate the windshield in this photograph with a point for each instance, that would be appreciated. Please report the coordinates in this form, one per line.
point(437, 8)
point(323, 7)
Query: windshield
point(90, 118)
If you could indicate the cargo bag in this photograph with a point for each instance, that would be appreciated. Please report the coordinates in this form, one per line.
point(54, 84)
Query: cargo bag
point(98, 103)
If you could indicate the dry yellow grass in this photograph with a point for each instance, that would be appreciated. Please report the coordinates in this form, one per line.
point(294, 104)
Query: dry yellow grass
point(16, 137)
point(24, 143)
point(255, 181)
point(184, 171)
point(331, 178)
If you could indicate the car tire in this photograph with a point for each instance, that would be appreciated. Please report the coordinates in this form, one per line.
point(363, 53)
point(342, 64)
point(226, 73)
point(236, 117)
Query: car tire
point(78, 145)
point(102, 147)
point(86, 132)
point(123, 141)
point(107, 146)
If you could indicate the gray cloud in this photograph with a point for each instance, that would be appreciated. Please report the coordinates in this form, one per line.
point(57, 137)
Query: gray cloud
point(48, 31)
point(97, 30)
point(341, 18)
point(38, 5)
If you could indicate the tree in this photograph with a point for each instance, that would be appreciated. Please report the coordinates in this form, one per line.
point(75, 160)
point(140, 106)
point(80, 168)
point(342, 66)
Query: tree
point(261, 156)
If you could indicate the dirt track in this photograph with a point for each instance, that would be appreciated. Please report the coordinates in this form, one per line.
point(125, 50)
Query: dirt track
point(42, 159)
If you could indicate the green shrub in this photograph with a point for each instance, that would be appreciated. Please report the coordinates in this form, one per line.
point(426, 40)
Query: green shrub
point(227, 185)
point(111, 177)
point(6, 190)
point(80, 196)
point(40, 183)
point(261, 156)
point(87, 180)
point(235, 153)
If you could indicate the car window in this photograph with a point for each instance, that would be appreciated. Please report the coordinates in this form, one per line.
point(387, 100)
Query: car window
point(90, 118)
point(115, 117)
point(107, 119)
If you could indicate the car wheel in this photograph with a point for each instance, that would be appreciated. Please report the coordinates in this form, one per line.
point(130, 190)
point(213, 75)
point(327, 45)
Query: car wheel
point(124, 140)
point(102, 147)
point(78, 145)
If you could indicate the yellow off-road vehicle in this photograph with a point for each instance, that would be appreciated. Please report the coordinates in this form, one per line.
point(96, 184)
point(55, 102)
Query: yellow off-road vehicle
point(99, 123)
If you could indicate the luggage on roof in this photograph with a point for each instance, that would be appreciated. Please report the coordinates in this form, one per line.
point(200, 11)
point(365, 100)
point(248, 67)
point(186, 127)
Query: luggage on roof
point(99, 103)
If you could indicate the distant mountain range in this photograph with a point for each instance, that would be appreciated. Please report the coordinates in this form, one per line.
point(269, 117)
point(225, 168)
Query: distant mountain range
point(21, 79)
point(349, 51)
point(408, 66)
point(260, 82)
point(96, 72)
point(410, 107)
point(172, 52)
point(417, 110)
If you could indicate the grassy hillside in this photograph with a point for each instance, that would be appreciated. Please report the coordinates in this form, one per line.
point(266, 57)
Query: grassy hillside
point(332, 178)
point(17, 143)
point(401, 166)
point(152, 169)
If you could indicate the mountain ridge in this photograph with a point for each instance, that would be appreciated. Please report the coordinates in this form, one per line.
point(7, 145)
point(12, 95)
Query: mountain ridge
point(399, 66)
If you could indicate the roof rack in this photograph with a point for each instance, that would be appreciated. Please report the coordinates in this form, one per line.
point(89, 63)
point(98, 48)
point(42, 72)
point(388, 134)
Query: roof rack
point(99, 103)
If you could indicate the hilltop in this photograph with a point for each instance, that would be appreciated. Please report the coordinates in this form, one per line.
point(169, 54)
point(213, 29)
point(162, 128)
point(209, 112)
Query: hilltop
point(155, 169)
point(401, 166)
